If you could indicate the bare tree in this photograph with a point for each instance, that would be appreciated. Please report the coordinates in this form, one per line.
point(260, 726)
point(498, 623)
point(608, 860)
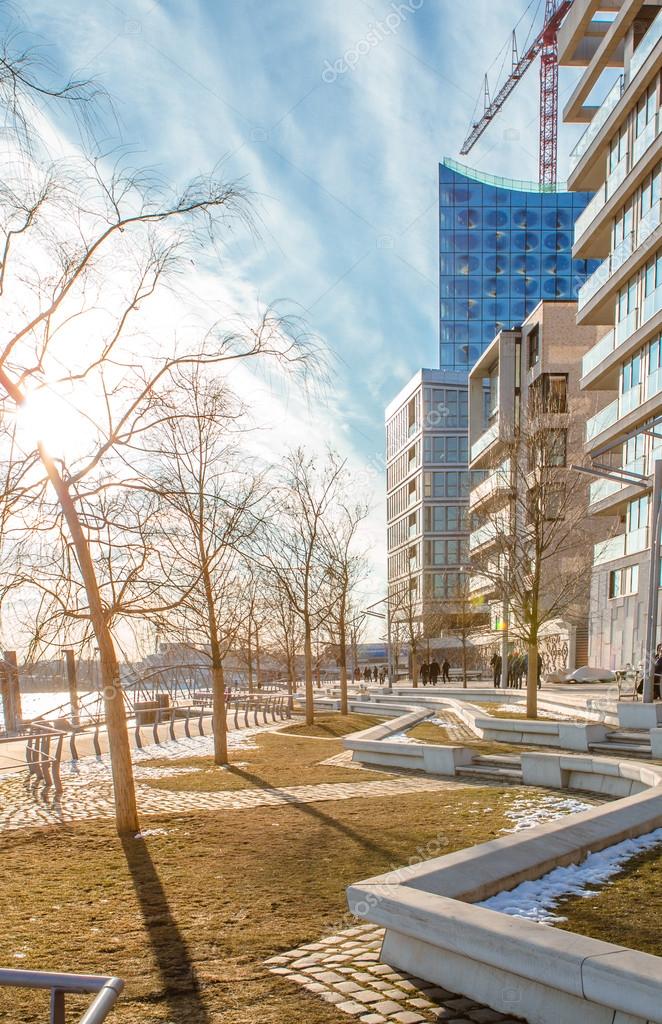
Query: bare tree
point(406, 614)
point(294, 549)
point(455, 617)
point(345, 567)
point(85, 250)
point(540, 540)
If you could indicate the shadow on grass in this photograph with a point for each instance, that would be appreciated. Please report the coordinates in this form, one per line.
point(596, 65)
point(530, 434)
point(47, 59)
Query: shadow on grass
point(320, 816)
point(181, 988)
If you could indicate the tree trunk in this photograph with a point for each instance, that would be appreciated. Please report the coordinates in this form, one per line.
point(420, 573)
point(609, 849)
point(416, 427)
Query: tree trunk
point(414, 665)
point(126, 810)
point(257, 659)
point(464, 662)
point(532, 680)
point(249, 659)
point(220, 712)
point(308, 658)
point(344, 707)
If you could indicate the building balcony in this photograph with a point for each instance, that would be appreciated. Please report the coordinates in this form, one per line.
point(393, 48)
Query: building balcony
point(645, 48)
point(492, 486)
point(602, 420)
point(621, 546)
point(596, 298)
point(609, 493)
point(480, 586)
point(602, 360)
point(485, 440)
point(598, 122)
point(497, 527)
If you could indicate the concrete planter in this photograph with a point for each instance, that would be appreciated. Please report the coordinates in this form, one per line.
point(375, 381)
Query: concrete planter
point(639, 716)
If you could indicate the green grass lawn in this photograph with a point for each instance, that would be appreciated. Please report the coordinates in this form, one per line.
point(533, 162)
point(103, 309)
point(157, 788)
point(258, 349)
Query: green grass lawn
point(187, 917)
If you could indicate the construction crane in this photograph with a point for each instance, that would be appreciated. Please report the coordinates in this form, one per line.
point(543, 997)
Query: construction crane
point(546, 46)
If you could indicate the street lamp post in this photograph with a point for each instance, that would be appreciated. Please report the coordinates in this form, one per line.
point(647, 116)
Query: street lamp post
point(389, 645)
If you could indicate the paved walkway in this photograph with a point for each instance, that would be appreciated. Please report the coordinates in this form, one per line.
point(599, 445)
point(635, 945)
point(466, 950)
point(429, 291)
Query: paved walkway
point(345, 970)
point(88, 788)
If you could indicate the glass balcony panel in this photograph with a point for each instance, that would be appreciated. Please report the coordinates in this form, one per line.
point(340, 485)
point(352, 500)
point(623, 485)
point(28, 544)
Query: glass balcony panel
point(588, 215)
point(494, 482)
point(610, 101)
point(645, 48)
point(629, 400)
point(652, 303)
point(625, 328)
point(599, 277)
point(654, 383)
point(595, 355)
point(649, 222)
point(485, 440)
point(617, 176)
point(602, 489)
point(609, 550)
point(646, 139)
point(602, 420)
point(636, 541)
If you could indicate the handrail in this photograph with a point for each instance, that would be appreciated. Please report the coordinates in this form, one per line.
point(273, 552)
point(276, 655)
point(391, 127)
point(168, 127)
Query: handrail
point(107, 990)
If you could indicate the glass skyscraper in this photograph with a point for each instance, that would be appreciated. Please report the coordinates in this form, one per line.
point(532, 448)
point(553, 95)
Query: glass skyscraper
point(503, 246)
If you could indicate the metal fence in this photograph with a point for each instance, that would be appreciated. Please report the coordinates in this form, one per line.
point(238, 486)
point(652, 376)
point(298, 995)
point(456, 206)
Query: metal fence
point(106, 991)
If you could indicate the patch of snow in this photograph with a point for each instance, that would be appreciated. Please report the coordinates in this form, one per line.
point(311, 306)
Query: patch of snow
point(536, 900)
point(520, 709)
point(529, 811)
point(152, 832)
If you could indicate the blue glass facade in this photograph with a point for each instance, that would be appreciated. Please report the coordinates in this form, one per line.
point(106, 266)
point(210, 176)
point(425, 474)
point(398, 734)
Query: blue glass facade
point(503, 246)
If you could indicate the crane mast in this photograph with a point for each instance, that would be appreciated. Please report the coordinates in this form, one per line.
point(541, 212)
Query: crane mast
point(546, 47)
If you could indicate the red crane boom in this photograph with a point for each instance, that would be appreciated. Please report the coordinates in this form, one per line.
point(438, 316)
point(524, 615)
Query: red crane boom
point(545, 46)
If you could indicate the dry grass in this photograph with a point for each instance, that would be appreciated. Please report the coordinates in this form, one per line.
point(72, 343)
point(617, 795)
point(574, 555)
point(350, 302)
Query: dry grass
point(333, 726)
point(277, 760)
point(427, 732)
point(626, 912)
point(187, 917)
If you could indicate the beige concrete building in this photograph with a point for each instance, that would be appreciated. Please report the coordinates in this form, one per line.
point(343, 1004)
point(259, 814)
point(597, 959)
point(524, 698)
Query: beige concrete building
point(527, 414)
point(619, 156)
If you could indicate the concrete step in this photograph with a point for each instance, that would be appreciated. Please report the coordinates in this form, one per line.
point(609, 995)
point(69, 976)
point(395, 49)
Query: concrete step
point(640, 749)
point(628, 736)
point(505, 760)
point(490, 772)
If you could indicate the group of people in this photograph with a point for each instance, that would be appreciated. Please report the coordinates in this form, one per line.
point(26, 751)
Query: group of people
point(517, 669)
point(370, 673)
point(430, 672)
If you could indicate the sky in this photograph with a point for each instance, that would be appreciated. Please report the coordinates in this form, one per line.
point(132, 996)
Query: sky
point(335, 113)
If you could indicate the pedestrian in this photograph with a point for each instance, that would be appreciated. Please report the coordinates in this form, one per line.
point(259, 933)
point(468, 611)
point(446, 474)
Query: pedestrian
point(539, 668)
point(357, 674)
point(424, 673)
point(495, 662)
point(523, 670)
point(375, 674)
point(367, 674)
point(435, 671)
point(445, 671)
point(657, 673)
point(510, 678)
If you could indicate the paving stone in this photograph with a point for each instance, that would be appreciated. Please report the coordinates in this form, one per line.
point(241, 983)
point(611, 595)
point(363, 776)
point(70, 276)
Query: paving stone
point(485, 1016)
point(373, 1018)
point(420, 1004)
point(394, 993)
point(329, 977)
point(408, 1018)
point(366, 996)
point(332, 997)
point(348, 986)
point(351, 1007)
point(440, 994)
point(462, 1003)
point(388, 1006)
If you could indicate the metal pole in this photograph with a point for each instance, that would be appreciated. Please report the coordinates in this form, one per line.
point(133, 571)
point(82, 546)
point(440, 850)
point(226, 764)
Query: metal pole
point(653, 586)
point(389, 641)
point(13, 710)
point(70, 658)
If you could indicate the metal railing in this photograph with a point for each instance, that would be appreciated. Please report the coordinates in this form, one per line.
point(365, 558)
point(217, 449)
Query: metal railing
point(645, 48)
point(106, 991)
point(599, 119)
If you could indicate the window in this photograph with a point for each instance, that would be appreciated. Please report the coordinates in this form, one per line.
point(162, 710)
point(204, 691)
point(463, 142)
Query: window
point(555, 448)
point(638, 514)
point(623, 582)
point(445, 518)
point(631, 373)
point(551, 389)
point(534, 346)
point(554, 503)
point(449, 448)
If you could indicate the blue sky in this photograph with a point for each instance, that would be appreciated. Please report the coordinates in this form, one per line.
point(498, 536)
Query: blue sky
point(343, 160)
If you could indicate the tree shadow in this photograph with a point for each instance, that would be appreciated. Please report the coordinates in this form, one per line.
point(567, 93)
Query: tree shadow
point(313, 812)
point(181, 987)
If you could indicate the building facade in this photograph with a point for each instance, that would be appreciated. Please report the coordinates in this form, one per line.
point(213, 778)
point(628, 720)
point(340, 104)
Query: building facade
point(526, 429)
point(503, 246)
point(619, 158)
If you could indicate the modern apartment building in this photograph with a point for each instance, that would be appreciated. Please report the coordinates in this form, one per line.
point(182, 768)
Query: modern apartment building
point(503, 246)
point(427, 483)
point(526, 429)
point(619, 157)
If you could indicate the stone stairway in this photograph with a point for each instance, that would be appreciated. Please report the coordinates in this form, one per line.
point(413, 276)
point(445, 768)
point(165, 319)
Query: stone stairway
point(500, 767)
point(635, 742)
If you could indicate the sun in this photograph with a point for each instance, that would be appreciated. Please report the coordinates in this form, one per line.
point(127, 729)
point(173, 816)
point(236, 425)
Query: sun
point(50, 419)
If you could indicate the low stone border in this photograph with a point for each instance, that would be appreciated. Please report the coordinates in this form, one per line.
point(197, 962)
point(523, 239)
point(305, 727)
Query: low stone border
point(434, 931)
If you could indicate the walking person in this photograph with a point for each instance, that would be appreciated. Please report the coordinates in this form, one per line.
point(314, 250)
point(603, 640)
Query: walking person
point(367, 674)
point(510, 678)
point(523, 670)
point(495, 662)
point(424, 673)
point(445, 671)
point(375, 674)
point(539, 668)
point(435, 671)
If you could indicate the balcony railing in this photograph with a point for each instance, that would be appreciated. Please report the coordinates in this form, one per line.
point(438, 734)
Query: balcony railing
point(623, 331)
point(602, 489)
point(630, 399)
point(616, 177)
point(652, 304)
point(609, 550)
point(607, 268)
point(590, 212)
point(485, 440)
point(646, 139)
point(636, 541)
point(600, 118)
point(646, 47)
point(494, 482)
point(599, 352)
point(649, 222)
point(602, 420)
